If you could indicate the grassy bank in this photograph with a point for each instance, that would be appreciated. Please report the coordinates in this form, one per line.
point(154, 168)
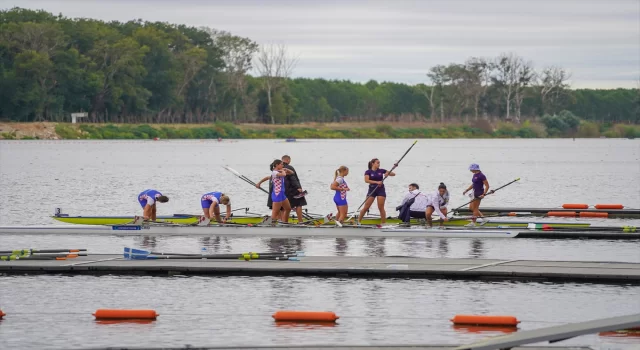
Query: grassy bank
point(481, 129)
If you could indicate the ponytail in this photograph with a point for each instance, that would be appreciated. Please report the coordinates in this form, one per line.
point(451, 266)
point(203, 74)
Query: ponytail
point(339, 172)
point(370, 165)
point(335, 176)
point(274, 164)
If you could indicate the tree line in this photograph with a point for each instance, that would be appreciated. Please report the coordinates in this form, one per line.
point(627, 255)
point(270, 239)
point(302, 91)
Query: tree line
point(155, 72)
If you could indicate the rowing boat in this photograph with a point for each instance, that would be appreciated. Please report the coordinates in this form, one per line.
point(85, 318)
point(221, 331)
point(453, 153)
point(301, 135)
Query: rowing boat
point(259, 231)
point(610, 213)
point(244, 220)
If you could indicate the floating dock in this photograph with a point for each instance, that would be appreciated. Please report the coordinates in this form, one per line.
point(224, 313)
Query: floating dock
point(295, 231)
point(333, 266)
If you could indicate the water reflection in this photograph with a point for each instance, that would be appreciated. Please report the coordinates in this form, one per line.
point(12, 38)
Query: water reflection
point(477, 249)
point(341, 247)
point(443, 248)
point(375, 246)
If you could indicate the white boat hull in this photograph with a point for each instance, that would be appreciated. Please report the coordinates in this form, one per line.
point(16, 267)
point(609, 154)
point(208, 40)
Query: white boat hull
point(261, 231)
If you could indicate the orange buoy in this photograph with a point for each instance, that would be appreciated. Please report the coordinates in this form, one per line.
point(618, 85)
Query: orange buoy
point(590, 214)
point(113, 314)
point(2, 314)
point(313, 316)
point(609, 206)
point(575, 206)
point(561, 213)
point(482, 320)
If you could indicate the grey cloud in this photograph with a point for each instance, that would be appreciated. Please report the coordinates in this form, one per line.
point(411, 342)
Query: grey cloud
point(599, 41)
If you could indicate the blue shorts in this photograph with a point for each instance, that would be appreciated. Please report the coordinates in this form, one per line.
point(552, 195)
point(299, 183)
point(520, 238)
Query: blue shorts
point(206, 204)
point(338, 200)
point(379, 192)
point(281, 197)
point(142, 202)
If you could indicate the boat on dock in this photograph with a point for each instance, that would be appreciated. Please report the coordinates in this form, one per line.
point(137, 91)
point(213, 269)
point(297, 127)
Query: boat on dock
point(186, 219)
point(582, 212)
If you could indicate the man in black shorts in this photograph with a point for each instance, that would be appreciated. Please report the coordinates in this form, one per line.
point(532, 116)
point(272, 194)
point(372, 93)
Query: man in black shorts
point(294, 190)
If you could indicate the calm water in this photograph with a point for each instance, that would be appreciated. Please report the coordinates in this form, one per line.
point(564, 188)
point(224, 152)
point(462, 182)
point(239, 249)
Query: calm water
point(104, 178)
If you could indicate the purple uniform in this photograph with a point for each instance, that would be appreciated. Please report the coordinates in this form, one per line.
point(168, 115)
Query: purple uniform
point(340, 198)
point(209, 198)
point(376, 175)
point(478, 184)
point(148, 197)
point(278, 188)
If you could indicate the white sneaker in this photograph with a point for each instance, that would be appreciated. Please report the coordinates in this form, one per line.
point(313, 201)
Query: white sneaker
point(471, 224)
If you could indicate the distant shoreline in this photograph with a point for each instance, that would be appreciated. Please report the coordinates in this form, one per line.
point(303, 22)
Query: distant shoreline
point(366, 130)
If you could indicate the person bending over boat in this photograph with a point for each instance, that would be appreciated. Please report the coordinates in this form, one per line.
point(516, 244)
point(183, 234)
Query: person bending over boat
point(340, 197)
point(278, 196)
point(480, 187)
point(211, 205)
point(374, 177)
point(294, 190)
point(147, 200)
point(438, 203)
point(443, 199)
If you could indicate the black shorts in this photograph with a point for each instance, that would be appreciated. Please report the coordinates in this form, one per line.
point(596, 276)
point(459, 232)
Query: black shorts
point(297, 202)
point(418, 214)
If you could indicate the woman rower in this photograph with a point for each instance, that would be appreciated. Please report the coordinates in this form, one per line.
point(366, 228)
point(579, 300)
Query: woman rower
point(147, 200)
point(480, 187)
point(439, 199)
point(211, 205)
point(340, 198)
point(278, 196)
point(374, 177)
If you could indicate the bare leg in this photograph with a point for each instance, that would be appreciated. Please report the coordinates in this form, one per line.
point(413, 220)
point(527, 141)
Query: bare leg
point(367, 205)
point(428, 214)
point(287, 209)
point(444, 212)
point(299, 214)
point(153, 212)
point(383, 213)
point(275, 212)
point(206, 213)
point(342, 213)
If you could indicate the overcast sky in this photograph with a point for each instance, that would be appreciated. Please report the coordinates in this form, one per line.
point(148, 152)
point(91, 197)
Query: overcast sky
point(597, 41)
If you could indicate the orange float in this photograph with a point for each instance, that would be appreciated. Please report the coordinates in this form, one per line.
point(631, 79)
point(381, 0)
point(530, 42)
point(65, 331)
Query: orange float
point(609, 206)
point(590, 214)
point(115, 314)
point(575, 206)
point(562, 213)
point(482, 320)
point(305, 316)
point(2, 314)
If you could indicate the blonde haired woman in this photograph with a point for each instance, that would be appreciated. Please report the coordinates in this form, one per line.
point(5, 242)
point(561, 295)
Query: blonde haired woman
point(211, 205)
point(340, 198)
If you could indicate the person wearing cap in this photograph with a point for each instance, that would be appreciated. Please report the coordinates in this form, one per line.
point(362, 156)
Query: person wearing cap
point(480, 187)
point(210, 203)
point(441, 199)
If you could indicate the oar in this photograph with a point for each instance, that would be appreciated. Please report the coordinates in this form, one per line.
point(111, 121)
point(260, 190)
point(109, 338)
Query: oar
point(143, 252)
point(31, 251)
point(139, 254)
point(490, 192)
point(384, 178)
point(544, 227)
point(244, 178)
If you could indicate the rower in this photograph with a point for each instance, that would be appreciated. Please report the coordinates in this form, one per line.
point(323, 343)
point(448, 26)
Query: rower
point(414, 204)
point(278, 196)
point(437, 202)
point(374, 177)
point(211, 205)
point(480, 187)
point(147, 200)
point(294, 191)
point(443, 199)
point(340, 197)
